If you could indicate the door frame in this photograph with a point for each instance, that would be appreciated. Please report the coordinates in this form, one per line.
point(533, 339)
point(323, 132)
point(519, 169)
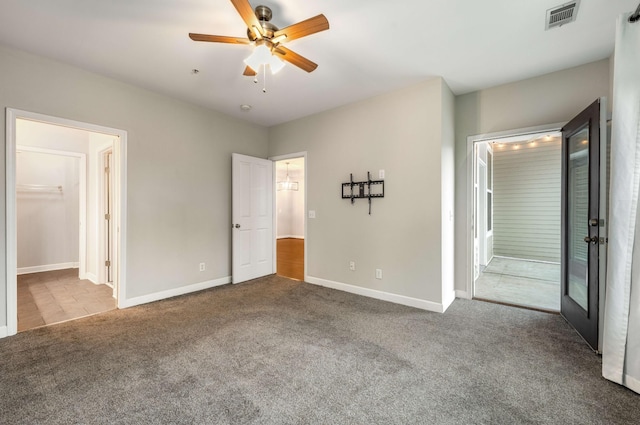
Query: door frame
point(102, 233)
point(120, 203)
point(556, 127)
point(471, 170)
point(82, 200)
point(275, 217)
point(481, 211)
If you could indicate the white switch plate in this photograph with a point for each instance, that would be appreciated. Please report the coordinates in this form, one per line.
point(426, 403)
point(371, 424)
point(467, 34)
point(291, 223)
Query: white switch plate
point(378, 273)
point(381, 174)
point(312, 214)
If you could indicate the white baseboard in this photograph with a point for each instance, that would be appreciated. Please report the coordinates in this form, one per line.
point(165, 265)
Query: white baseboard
point(290, 237)
point(462, 294)
point(3, 331)
point(47, 268)
point(92, 278)
point(157, 296)
point(380, 295)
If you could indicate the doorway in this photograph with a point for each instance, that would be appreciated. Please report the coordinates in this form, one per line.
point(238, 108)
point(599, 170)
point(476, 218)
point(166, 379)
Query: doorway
point(289, 217)
point(517, 222)
point(584, 177)
point(60, 278)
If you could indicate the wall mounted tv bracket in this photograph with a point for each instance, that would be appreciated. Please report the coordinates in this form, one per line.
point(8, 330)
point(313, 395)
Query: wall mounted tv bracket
point(366, 189)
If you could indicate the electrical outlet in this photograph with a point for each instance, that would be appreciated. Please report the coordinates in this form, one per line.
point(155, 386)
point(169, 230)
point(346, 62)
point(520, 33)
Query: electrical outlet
point(312, 214)
point(378, 273)
point(203, 266)
point(381, 174)
point(352, 265)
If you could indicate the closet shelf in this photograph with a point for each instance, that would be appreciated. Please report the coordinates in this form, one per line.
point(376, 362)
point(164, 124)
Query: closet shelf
point(38, 188)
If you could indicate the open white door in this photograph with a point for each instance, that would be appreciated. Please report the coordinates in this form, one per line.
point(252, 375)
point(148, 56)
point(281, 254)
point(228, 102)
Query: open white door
point(252, 217)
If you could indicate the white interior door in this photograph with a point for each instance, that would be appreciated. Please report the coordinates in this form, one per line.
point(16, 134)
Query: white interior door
point(252, 217)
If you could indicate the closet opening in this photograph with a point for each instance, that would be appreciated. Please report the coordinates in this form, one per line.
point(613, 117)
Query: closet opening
point(65, 191)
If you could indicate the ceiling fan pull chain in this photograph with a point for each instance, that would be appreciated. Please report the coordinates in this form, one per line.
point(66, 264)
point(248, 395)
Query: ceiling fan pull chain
point(264, 77)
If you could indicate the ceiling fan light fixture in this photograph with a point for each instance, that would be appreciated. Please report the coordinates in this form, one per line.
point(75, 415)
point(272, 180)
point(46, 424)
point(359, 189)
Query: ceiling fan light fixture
point(260, 55)
point(275, 64)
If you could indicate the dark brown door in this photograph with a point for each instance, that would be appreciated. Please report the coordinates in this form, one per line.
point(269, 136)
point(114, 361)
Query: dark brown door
point(581, 222)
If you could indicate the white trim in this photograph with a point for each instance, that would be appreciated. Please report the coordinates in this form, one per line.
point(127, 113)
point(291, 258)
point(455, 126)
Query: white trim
point(629, 381)
point(504, 135)
point(463, 294)
point(380, 295)
point(304, 218)
point(290, 237)
point(157, 296)
point(11, 277)
point(481, 224)
point(82, 199)
point(99, 224)
point(120, 203)
point(3, 331)
point(527, 259)
point(94, 279)
point(603, 232)
point(47, 268)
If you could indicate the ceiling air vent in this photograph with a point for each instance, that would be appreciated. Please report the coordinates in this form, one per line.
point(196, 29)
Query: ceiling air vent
point(562, 14)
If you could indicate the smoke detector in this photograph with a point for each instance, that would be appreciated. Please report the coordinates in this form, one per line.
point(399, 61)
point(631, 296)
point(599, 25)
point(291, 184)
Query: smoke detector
point(561, 15)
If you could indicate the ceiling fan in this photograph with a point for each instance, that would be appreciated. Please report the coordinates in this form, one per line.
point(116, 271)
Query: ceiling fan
point(268, 38)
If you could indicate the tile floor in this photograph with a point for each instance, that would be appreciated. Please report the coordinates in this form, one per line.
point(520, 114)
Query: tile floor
point(520, 282)
point(56, 296)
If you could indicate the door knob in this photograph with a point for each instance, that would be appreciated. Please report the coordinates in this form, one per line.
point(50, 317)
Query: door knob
point(237, 226)
point(592, 239)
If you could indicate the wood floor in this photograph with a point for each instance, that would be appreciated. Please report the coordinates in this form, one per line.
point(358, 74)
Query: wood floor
point(290, 254)
point(56, 296)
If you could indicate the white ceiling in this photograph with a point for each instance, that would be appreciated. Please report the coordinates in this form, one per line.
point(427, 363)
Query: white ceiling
point(373, 46)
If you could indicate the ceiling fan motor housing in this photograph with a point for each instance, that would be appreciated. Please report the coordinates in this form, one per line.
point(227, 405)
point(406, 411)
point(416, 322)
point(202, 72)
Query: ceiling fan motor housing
point(264, 15)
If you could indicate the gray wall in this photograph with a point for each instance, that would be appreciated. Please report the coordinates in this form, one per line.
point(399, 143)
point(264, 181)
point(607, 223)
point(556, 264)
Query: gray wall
point(548, 99)
point(179, 171)
point(179, 167)
point(526, 192)
point(409, 134)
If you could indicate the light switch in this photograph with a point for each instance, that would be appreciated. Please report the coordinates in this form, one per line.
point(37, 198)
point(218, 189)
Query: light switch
point(381, 174)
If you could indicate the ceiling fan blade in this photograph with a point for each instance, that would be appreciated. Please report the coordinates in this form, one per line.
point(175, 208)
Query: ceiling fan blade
point(295, 59)
point(249, 72)
point(304, 28)
point(248, 16)
point(218, 38)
